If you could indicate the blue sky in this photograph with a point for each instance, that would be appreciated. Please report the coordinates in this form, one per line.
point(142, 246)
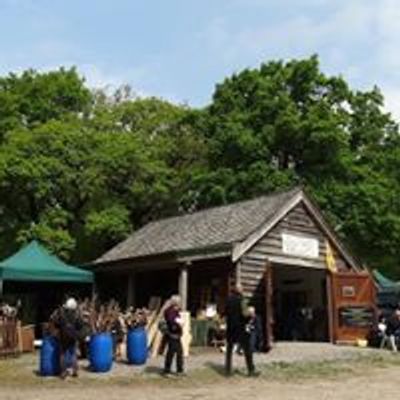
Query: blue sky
point(179, 49)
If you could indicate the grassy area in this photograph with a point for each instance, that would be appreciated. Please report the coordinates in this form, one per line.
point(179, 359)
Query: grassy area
point(300, 371)
point(17, 372)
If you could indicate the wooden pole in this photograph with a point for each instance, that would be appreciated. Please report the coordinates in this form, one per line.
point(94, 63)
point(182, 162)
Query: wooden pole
point(330, 305)
point(238, 277)
point(1, 287)
point(131, 291)
point(183, 286)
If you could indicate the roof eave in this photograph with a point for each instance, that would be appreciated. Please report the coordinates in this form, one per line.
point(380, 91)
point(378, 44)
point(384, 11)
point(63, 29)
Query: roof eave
point(180, 256)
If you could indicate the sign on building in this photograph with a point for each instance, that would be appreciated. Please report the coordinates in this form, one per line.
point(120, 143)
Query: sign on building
point(300, 246)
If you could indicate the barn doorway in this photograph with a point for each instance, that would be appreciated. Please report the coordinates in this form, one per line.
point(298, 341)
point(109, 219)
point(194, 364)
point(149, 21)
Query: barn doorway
point(300, 303)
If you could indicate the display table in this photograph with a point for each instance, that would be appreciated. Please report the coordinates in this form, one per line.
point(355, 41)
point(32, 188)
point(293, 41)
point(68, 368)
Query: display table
point(201, 331)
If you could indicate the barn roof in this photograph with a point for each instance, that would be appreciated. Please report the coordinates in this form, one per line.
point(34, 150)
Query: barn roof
point(209, 228)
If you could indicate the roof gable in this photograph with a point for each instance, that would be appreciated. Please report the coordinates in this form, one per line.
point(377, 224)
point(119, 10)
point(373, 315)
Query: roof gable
point(242, 247)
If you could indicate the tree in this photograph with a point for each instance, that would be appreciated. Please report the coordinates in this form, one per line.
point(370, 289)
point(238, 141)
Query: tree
point(288, 123)
point(32, 98)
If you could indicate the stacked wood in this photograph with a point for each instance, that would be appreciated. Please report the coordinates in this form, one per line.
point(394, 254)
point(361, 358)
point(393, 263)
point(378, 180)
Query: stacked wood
point(152, 325)
point(186, 332)
point(157, 336)
point(157, 343)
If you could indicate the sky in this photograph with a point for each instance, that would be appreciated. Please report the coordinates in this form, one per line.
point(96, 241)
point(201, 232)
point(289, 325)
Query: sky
point(180, 49)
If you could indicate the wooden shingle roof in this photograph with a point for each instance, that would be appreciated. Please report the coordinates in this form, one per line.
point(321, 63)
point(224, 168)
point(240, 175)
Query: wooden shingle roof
point(209, 228)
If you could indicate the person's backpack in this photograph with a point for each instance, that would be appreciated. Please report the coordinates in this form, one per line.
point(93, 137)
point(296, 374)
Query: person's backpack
point(69, 326)
point(163, 326)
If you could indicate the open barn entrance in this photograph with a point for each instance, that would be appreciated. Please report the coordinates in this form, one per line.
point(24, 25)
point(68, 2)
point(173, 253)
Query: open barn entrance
point(300, 303)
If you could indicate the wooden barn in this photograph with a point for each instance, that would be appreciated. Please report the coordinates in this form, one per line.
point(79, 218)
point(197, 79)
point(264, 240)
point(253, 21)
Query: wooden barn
point(279, 247)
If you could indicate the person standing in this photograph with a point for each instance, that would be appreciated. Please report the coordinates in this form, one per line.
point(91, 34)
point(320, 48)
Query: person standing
point(69, 324)
point(393, 329)
point(173, 336)
point(237, 317)
point(254, 329)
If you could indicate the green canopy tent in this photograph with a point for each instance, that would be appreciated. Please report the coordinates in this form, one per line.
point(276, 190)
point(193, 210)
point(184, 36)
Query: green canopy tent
point(33, 263)
point(385, 283)
point(388, 295)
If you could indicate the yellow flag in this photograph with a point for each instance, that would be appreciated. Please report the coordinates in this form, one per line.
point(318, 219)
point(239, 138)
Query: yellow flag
point(330, 258)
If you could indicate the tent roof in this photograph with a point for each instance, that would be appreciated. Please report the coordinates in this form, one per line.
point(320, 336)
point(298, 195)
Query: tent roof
point(34, 263)
point(383, 282)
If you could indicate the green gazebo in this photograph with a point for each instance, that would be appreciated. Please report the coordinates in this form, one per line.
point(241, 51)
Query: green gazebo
point(33, 263)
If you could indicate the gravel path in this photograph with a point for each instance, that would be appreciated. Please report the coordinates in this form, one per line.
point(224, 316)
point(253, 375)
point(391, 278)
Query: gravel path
point(283, 352)
point(118, 383)
point(382, 385)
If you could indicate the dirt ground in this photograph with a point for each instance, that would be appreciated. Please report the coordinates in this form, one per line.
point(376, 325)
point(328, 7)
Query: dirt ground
point(335, 373)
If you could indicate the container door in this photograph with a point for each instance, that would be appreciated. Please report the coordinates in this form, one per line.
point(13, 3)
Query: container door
point(353, 305)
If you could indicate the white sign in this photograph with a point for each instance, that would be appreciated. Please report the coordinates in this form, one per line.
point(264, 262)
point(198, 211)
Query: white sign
point(300, 246)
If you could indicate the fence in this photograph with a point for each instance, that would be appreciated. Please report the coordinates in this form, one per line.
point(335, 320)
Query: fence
point(9, 343)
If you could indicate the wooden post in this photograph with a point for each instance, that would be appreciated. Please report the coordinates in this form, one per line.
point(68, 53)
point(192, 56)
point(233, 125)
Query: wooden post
point(183, 285)
point(1, 287)
point(330, 306)
point(269, 309)
point(130, 302)
point(238, 277)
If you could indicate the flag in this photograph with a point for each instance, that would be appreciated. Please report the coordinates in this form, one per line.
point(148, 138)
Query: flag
point(330, 258)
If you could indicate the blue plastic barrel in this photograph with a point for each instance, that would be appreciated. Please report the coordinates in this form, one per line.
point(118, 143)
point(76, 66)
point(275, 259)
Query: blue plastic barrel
point(49, 357)
point(101, 352)
point(137, 346)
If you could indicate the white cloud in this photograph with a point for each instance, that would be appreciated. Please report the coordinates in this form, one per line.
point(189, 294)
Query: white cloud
point(392, 101)
point(356, 38)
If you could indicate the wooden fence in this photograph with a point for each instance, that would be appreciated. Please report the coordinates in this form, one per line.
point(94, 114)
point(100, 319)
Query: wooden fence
point(9, 341)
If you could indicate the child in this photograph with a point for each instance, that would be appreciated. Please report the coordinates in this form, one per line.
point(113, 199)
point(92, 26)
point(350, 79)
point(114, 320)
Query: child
point(254, 329)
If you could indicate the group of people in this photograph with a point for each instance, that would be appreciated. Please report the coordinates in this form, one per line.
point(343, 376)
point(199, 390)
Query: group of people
point(243, 332)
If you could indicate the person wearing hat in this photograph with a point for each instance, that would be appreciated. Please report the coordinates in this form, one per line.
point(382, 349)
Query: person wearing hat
point(69, 324)
point(173, 335)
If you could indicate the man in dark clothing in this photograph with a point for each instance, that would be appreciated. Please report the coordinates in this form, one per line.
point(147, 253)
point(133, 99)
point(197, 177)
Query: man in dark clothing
point(237, 316)
point(173, 336)
point(69, 324)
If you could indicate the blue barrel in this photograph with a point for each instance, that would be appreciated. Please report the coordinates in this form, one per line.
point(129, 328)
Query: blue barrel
point(136, 346)
point(101, 352)
point(49, 357)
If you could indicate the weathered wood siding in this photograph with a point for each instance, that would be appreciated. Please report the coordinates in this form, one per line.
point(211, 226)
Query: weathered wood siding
point(297, 222)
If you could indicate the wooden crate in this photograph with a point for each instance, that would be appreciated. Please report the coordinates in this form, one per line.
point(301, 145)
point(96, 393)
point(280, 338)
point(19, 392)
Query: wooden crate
point(27, 338)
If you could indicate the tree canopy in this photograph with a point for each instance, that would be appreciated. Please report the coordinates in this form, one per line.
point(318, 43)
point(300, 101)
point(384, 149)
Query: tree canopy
point(80, 169)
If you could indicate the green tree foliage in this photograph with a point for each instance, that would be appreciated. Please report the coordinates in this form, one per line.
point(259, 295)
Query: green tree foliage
point(287, 123)
point(82, 169)
point(32, 98)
